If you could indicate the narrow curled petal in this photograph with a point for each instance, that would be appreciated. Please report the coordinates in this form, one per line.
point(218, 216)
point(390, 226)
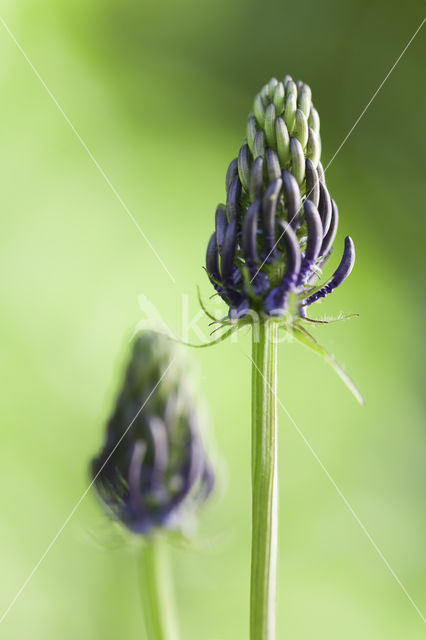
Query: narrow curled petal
point(342, 272)
point(233, 200)
point(272, 165)
point(312, 182)
point(231, 173)
point(324, 208)
point(256, 179)
point(212, 259)
point(314, 241)
point(287, 240)
point(292, 198)
point(228, 253)
point(244, 162)
point(276, 300)
point(269, 211)
point(314, 226)
point(331, 233)
point(249, 236)
point(220, 225)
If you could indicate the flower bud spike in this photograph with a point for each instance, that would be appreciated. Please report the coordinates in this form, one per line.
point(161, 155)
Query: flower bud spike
point(259, 110)
point(270, 115)
point(272, 165)
point(269, 212)
point(251, 132)
point(297, 160)
point(231, 173)
point(233, 200)
point(256, 179)
point(244, 162)
point(301, 128)
point(331, 233)
point(324, 208)
point(220, 225)
point(279, 98)
point(342, 272)
point(313, 120)
point(292, 199)
point(259, 144)
point(314, 241)
point(304, 99)
point(278, 168)
point(152, 459)
point(313, 147)
point(312, 182)
point(283, 141)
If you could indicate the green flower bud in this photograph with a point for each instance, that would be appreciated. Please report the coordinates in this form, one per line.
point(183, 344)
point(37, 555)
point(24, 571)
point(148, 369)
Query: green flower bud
point(301, 128)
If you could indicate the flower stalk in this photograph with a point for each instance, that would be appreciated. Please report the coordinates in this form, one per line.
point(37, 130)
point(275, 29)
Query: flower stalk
point(264, 482)
point(157, 591)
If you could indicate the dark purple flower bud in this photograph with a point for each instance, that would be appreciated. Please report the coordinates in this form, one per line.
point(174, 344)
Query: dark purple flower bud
point(228, 254)
point(314, 240)
point(256, 180)
point(220, 225)
point(244, 164)
point(331, 233)
point(233, 200)
point(231, 173)
point(269, 212)
point(324, 208)
point(212, 260)
point(272, 165)
point(276, 300)
point(152, 468)
point(292, 199)
point(312, 182)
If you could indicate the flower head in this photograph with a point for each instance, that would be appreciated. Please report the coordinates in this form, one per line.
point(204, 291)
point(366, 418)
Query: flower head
point(279, 223)
point(152, 468)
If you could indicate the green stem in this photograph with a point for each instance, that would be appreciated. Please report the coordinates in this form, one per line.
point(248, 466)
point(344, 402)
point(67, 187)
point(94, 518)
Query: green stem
point(157, 591)
point(264, 483)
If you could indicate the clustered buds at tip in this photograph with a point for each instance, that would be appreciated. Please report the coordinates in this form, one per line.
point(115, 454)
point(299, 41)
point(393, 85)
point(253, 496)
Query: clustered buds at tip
point(279, 223)
point(152, 468)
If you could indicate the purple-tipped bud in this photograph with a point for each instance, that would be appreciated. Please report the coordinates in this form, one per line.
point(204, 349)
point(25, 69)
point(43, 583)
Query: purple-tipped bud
point(231, 173)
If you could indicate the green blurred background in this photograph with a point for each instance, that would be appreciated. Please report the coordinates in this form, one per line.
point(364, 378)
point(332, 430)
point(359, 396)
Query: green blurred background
point(159, 92)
